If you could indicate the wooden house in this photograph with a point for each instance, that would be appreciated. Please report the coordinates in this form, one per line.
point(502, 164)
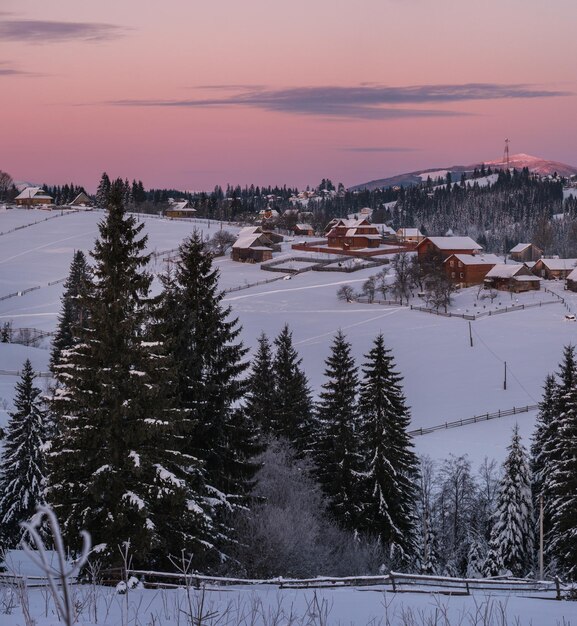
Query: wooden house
point(510, 277)
point(409, 235)
point(81, 200)
point(33, 196)
point(252, 248)
point(444, 247)
point(469, 269)
point(353, 235)
point(525, 252)
point(304, 230)
point(554, 269)
point(571, 280)
point(180, 209)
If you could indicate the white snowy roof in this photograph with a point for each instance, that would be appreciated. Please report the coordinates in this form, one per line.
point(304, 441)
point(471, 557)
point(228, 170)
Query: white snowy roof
point(526, 278)
point(504, 270)
point(33, 192)
point(572, 274)
point(304, 226)
point(559, 264)
point(520, 247)
point(249, 241)
point(409, 232)
point(476, 259)
point(455, 243)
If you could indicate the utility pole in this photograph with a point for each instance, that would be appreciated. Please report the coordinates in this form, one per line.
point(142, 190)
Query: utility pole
point(541, 573)
point(505, 379)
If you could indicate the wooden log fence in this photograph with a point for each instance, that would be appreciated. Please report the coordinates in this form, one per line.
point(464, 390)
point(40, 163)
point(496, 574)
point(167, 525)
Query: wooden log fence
point(398, 582)
point(473, 420)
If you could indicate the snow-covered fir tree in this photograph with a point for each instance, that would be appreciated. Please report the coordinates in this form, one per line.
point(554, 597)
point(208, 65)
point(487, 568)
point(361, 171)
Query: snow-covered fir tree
point(475, 559)
point(292, 415)
point(116, 467)
point(209, 362)
point(103, 191)
point(543, 449)
point(23, 460)
point(336, 435)
point(513, 527)
point(563, 489)
point(260, 388)
point(493, 565)
point(391, 466)
point(71, 312)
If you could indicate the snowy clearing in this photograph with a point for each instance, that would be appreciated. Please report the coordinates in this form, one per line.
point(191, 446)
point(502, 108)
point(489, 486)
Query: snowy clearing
point(445, 379)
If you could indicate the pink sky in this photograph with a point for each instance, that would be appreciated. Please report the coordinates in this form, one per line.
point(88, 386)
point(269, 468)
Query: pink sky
point(191, 94)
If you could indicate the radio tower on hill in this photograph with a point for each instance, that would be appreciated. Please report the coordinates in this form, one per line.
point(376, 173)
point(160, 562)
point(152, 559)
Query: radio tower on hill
point(506, 153)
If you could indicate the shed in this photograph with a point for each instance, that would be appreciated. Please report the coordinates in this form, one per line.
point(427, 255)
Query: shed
point(525, 252)
point(510, 277)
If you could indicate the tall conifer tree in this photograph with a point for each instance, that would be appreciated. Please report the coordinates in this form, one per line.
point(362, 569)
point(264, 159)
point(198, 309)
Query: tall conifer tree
point(513, 527)
point(260, 392)
point(116, 468)
point(71, 314)
point(292, 418)
point(23, 460)
point(336, 445)
point(391, 465)
point(209, 364)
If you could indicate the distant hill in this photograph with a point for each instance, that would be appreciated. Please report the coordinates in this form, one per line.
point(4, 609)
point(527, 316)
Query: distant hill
point(536, 165)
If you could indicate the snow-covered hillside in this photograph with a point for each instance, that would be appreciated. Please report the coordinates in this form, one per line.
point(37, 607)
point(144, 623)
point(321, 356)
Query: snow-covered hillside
point(445, 379)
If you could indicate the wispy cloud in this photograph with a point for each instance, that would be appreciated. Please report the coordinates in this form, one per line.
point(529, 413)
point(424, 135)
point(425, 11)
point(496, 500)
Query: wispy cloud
point(8, 70)
point(45, 31)
point(379, 149)
point(367, 101)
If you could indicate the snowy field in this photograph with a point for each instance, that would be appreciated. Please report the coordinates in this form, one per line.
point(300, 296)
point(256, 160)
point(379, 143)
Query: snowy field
point(269, 606)
point(445, 378)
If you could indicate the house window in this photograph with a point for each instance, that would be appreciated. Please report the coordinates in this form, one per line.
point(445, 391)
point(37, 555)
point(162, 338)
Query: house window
point(461, 275)
point(452, 263)
point(452, 274)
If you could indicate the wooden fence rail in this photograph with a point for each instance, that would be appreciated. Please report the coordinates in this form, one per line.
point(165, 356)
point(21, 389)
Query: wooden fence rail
point(397, 581)
point(473, 420)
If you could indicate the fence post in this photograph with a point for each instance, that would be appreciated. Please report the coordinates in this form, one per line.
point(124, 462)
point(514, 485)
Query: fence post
point(467, 587)
point(392, 575)
point(558, 587)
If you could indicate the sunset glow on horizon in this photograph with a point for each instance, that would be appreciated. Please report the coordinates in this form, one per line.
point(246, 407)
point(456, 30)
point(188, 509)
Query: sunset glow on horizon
point(189, 95)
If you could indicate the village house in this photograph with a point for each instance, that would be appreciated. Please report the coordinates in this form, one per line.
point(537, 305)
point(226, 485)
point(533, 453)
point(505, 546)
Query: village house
point(81, 200)
point(514, 278)
point(554, 269)
point(525, 252)
point(33, 196)
point(304, 229)
point(180, 209)
point(353, 235)
point(409, 235)
point(469, 269)
point(254, 245)
point(571, 281)
point(444, 247)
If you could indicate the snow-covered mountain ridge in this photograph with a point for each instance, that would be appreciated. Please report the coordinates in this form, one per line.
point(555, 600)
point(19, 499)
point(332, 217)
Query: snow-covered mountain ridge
point(536, 165)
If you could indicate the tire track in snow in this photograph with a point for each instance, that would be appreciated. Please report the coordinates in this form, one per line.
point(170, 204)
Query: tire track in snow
point(46, 245)
point(276, 291)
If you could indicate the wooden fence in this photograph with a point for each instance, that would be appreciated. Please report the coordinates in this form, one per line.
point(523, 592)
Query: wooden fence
point(473, 420)
point(397, 582)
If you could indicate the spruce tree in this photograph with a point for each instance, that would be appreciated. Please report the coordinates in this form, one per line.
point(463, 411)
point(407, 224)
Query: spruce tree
point(543, 450)
point(103, 191)
point(260, 389)
point(71, 314)
point(292, 415)
point(23, 462)
point(391, 465)
point(116, 467)
point(336, 433)
point(513, 527)
point(209, 364)
point(563, 489)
